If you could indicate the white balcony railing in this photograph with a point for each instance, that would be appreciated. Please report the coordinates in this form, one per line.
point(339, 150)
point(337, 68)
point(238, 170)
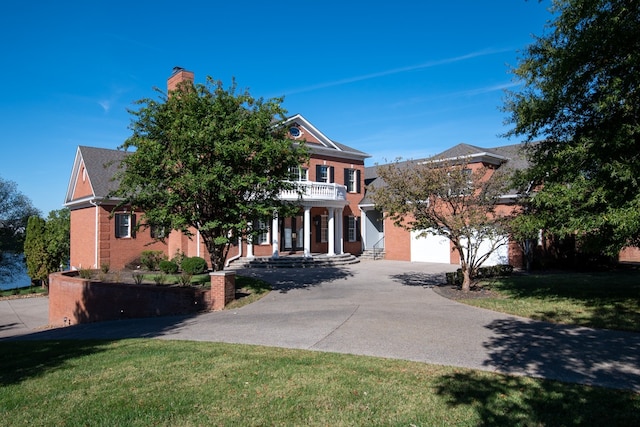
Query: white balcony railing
point(315, 191)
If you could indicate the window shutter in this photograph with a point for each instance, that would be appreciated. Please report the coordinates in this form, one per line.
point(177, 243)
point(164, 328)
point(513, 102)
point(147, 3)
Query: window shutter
point(345, 228)
point(331, 174)
point(318, 172)
point(117, 224)
point(133, 225)
point(358, 221)
point(346, 177)
point(357, 180)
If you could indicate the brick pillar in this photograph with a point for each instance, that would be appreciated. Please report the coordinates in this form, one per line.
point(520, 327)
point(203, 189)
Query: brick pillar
point(223, 288)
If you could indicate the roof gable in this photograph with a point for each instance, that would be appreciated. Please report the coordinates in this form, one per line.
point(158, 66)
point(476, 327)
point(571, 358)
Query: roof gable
point(97, 166)
point(470, 154)
point(319, 143)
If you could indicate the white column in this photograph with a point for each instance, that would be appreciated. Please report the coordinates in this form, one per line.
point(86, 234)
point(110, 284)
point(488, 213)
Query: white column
point(307, 231)
point(249, 242)
point(331, 225)
point(274, 236)
point(339, 231)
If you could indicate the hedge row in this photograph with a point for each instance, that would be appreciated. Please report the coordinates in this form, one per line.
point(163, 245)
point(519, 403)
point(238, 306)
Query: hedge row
point(456, 278)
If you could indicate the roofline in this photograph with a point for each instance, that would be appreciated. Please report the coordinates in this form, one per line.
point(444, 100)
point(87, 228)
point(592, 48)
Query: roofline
point(90, 201)
point(502, 159)
point(331, 152)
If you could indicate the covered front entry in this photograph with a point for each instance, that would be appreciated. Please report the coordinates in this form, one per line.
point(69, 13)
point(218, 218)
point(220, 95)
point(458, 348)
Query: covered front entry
point(313, 230)
point(292, 232)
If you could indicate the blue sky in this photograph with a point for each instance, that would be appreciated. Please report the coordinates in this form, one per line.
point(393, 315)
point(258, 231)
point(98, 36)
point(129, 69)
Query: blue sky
point(394, 79)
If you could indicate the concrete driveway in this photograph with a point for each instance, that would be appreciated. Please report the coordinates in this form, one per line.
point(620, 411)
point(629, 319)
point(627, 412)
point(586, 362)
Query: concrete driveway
point(387, 309)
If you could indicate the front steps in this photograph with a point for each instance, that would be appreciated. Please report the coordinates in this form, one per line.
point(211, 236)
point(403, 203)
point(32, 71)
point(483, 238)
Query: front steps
point(295, 261)
point(372, 254)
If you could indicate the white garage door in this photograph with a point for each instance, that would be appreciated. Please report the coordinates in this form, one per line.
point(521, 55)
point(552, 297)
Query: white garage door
point(498, 256)
point(430, 248)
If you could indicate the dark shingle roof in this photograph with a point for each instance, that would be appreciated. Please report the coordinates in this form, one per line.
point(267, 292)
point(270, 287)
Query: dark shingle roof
point(511, 157)
point(101, 165)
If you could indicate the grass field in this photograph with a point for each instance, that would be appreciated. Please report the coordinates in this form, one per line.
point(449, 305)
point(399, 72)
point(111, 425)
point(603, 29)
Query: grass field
point(609, 300)
point(23, 291)
point(174, 383)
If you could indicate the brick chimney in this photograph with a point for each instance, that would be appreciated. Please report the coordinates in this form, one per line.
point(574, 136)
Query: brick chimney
point(178, 76)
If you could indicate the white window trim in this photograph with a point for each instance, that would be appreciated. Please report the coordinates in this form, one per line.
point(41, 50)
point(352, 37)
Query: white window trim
point(352, 232)
point(264, 238)
point(120, 226)
point(324, 228)
point(352, 185)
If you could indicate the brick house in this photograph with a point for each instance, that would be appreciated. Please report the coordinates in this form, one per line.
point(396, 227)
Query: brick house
point(328, 221)
point(383, 238)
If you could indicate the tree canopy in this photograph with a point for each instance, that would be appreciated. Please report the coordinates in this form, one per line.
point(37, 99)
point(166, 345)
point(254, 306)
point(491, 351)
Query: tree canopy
point(455, 200)
point(579, 109)
point(15, 210)
point(208, 158)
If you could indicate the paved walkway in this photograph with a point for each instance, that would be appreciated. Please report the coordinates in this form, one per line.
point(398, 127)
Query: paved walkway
point(377, 308)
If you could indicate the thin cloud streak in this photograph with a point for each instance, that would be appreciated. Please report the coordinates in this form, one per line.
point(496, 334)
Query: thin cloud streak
point(429, 64)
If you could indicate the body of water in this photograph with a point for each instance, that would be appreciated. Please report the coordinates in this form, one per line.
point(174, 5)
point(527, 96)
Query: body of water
point(19, 279)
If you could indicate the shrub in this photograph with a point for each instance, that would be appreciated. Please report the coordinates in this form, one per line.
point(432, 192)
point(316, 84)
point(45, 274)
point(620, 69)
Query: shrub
point(168, 267)
point(185, 279)
point(160, 279)
point(137, 278)
point(178, 257)
point(151, 259)
point(456, 278)
point(85, 273)
point(104, 267)
point(193, 265)
point(500, 270)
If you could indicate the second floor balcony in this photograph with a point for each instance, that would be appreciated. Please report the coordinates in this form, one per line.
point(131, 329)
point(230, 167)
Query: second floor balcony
point(316, 191)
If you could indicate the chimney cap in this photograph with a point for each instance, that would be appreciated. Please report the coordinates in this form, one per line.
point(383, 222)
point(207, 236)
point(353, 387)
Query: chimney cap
point(177, 70)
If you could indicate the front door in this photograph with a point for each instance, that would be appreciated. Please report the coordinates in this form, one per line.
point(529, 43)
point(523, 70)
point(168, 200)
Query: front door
point(373, 229)
point(293, 233)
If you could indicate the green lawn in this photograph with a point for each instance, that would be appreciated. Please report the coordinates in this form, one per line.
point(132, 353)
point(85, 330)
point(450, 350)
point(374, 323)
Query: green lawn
point(23, 291)
point(175, 383)
point(609, 300)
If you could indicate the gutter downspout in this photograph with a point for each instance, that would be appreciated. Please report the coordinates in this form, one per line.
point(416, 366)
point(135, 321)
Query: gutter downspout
point(233, 258)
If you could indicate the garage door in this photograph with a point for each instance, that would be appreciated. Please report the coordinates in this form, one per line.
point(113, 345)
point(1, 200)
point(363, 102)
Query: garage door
point(430, 248)
point(498, 256)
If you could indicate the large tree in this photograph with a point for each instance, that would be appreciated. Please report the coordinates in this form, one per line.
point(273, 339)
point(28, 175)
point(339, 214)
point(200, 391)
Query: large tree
point(446, 198)
point(210, 159)
point(15, 210)
point(579, 107)
point(46, 247)
point(35, 250)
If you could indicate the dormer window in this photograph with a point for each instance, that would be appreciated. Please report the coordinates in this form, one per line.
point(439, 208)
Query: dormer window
point(294, 132)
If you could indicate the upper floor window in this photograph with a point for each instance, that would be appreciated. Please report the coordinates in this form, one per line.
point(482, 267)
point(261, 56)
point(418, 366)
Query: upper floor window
point(298, 173)
point(157, 232)
point(460, 182)
point(324, 173)
point(352, 180)
point(294, 132)
point(123, 224)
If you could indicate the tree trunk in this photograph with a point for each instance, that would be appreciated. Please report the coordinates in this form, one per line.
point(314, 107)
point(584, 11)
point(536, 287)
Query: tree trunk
point(217, 256)
point(466, 280)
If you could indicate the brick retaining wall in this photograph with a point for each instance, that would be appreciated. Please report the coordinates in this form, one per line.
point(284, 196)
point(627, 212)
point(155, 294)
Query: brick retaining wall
point(74, 300)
